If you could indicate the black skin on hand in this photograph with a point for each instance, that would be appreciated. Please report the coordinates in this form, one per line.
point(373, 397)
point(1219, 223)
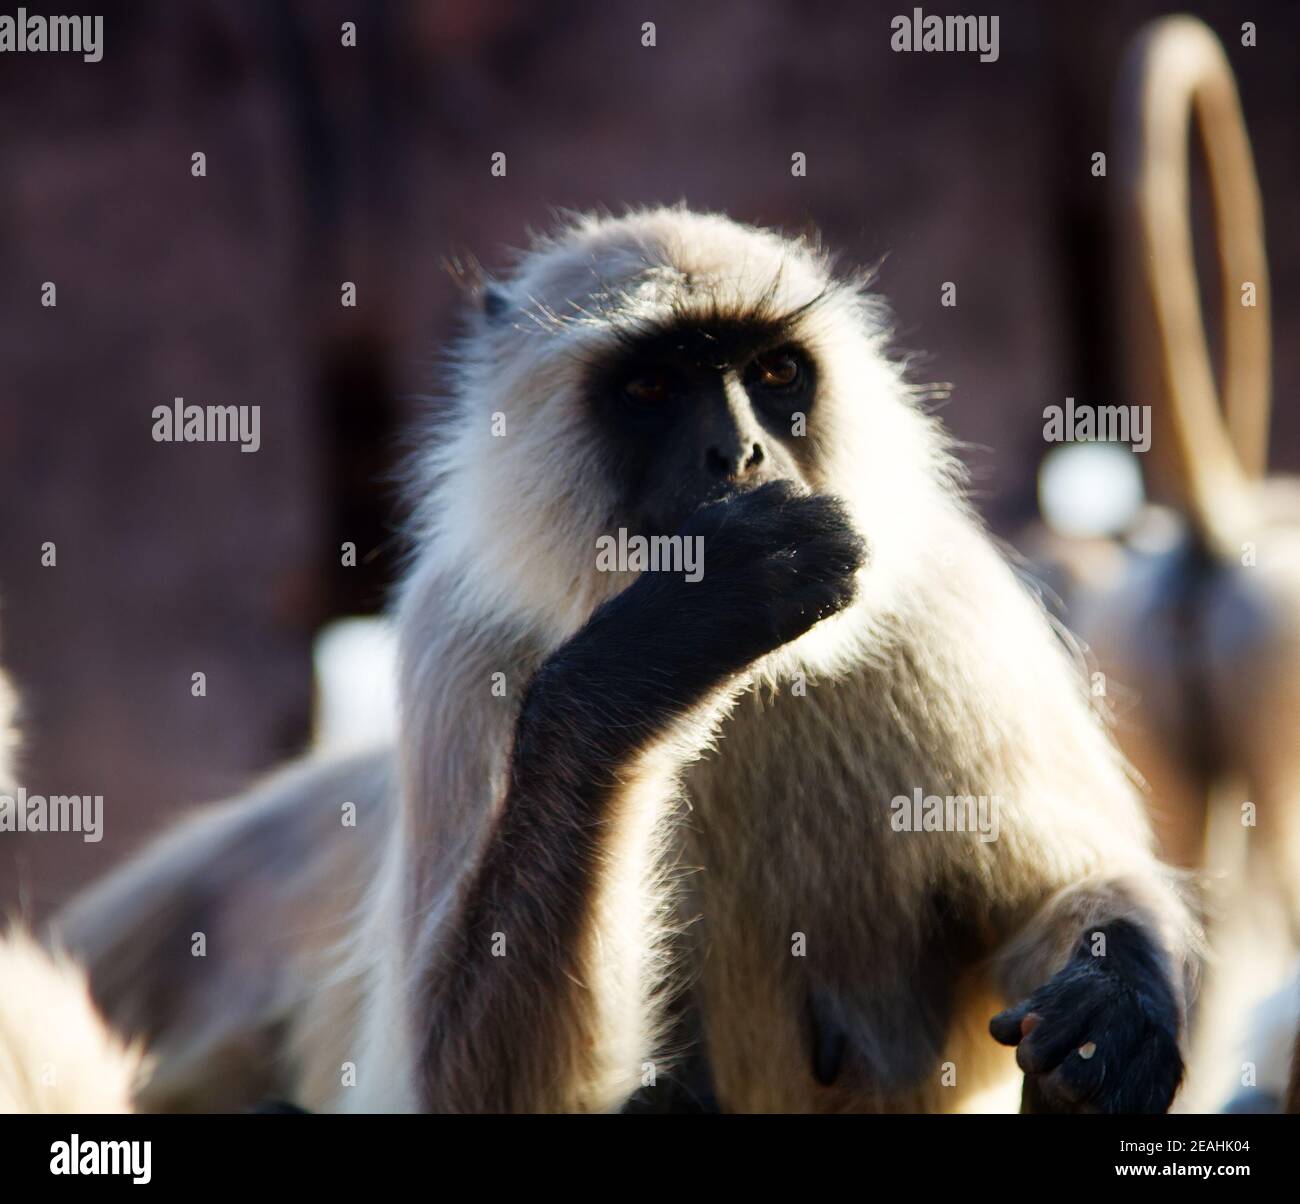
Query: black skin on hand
point(777, 560)
point(1121, 1009)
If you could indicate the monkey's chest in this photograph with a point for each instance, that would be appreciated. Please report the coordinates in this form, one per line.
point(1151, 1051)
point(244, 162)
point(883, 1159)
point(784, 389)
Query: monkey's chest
point(830, 963)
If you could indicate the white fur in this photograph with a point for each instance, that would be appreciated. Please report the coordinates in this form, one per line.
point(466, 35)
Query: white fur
point(56, 1053)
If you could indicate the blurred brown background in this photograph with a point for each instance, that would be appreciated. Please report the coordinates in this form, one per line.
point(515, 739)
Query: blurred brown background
point(371, 164)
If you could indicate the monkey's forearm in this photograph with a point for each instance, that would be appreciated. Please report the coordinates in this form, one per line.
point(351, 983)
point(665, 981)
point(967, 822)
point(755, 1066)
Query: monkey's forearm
point(546, 999)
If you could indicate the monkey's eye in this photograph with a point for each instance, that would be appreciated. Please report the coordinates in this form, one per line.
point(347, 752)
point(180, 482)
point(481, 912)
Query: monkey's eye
point(776, 371)
point(655, 387)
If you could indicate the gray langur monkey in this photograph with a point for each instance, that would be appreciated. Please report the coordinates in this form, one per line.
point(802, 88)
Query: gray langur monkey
point(646, 825)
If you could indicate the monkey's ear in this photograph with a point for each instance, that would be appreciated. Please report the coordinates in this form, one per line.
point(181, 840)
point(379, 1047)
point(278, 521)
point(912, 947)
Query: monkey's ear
point(494, 300)
point(478, 288)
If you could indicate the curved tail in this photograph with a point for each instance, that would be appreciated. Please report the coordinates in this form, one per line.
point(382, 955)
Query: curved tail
point(1175, 68)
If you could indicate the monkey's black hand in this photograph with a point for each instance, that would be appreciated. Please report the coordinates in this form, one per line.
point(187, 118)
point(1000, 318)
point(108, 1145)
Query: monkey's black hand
point(1102, 1035)
point(774, 562)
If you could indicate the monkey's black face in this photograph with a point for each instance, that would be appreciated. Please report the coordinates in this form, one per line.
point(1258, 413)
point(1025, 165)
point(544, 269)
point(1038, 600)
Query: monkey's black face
point(701, 410)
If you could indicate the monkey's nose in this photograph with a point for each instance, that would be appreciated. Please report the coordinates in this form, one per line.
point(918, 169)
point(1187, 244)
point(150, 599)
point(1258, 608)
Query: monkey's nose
point(735, 466)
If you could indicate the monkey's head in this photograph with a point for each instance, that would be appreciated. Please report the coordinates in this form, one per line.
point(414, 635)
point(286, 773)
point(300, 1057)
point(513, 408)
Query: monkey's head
point(629, 370)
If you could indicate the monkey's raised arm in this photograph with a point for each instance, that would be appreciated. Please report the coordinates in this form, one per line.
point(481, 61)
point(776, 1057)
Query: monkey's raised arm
point(544, 994)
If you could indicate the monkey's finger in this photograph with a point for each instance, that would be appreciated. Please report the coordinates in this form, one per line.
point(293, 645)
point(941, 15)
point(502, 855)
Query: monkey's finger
point(1051, 1042)
point(806, 605)
point(1080, 1076)
point(1005, 1026)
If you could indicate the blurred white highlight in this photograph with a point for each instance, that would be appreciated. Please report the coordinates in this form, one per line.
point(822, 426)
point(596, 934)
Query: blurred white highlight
point(356, 685)
point(1089, 489)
